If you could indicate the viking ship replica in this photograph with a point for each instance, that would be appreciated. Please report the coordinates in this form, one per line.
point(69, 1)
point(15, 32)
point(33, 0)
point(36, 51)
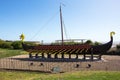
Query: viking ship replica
point(62, 49)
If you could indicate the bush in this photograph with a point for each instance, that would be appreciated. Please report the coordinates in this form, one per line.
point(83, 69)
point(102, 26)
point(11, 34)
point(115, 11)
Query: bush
point(17, 45)
point(97, 43)
point(5, 45)
point(118, 46)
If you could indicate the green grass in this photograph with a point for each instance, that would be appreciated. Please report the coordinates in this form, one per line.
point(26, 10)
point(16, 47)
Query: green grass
point(8, 52)
point(80, 75)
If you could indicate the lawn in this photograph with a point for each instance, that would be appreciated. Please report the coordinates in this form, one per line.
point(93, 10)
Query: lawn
point(80, 75)
point(9, 52)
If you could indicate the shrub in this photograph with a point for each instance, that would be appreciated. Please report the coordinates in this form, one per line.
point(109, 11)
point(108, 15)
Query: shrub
point(97, 43)
point(16, 45)
point(118, 46)
point(5, 45)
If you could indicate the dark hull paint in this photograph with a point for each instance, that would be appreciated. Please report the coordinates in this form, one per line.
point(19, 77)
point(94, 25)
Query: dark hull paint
point(70, 49)
point(103, 48)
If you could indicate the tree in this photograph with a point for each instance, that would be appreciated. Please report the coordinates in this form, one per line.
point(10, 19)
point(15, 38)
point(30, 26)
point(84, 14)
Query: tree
point(89, 42)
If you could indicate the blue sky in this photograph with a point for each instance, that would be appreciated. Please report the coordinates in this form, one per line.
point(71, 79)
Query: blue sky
point(39, 19)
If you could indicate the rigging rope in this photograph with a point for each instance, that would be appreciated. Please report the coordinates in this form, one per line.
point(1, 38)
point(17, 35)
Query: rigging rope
point(65, 30)
point(49, 20)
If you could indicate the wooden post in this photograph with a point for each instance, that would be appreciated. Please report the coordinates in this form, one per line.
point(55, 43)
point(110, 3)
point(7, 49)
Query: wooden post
point(84, 56)
point(48, 55)
point(77, 56)
point(62, 55)
point(100, 56)
point(36, 55)
point(92, 54)
point(56, 55)
point(69, 55)
point(43, 56)
point(30, 55)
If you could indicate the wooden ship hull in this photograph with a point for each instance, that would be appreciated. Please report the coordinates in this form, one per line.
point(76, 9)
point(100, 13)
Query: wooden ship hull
point(78, 49)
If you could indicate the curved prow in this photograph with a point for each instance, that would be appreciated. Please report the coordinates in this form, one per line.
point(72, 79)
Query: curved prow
point(111, 35)
point(104, 47)
point(25, 46)
point(22, 37)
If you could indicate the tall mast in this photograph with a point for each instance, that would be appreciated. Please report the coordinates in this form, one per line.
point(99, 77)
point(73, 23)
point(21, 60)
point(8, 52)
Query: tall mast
point(61, 26)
